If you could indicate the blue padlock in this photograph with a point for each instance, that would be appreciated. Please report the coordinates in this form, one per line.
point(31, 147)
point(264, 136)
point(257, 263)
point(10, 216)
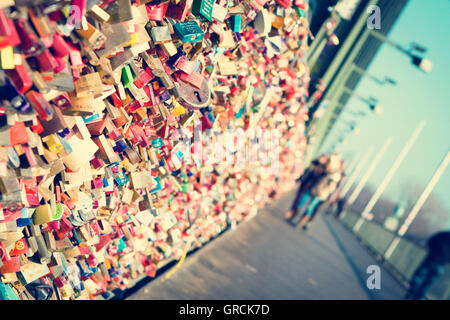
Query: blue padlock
point(188, 31)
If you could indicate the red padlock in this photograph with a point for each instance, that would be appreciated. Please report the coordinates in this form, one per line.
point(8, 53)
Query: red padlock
point(13, 38)
point(47, 63)
point(5, 29)
point(179, 11)
point(60, 47)
point(157, 12)
point(31, 45)
point(20, 77)
point(40, 105)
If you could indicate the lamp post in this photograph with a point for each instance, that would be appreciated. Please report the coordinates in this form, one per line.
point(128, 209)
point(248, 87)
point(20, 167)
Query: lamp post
point(368, 173)
point(420, 62)
point(381, 82)
point(371, 101)
point(415, 53)
point(366, 214)
point(418, 205)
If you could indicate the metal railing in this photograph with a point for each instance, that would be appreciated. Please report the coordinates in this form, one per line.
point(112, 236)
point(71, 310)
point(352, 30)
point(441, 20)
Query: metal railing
point(405, 258)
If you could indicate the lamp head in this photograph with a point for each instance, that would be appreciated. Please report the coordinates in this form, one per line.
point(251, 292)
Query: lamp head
point(423, 64)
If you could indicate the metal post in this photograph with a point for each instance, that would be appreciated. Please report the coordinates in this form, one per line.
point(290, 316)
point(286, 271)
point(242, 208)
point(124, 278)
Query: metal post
point(349, 168)
point(385, 39)
point(353, 94)
point(364, 73)
point(355, 174)
point(420, 202)
point(393, 169)
point(367, 175)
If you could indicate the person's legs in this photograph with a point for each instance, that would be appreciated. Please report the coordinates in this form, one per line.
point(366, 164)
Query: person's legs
point(321, 206)
point(292, 213)
point(340, 208)
point(304, 220)
point(309, 211)
point(304, 199)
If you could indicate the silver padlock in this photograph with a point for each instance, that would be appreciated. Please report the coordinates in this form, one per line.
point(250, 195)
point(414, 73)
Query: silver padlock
point(193, 98)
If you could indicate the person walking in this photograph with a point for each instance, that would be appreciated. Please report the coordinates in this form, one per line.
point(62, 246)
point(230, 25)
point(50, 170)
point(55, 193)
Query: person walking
point(432, 266)
point(324, 186)
point(306, 180)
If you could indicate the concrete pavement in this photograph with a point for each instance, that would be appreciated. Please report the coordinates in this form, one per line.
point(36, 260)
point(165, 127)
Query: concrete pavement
point(267, 258)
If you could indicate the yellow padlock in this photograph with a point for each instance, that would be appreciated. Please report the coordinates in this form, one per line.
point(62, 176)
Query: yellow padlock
point(178, 110)
point(126, 164)
point(7, 58)
point(53, 143)
point(42, 214)
point(134, 40)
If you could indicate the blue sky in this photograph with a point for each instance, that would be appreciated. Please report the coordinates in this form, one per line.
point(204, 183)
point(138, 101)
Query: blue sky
point(417, 96)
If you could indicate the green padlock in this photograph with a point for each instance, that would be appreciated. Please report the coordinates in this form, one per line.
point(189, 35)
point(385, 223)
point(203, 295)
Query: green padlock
point(127, 76)
point(203, 9)
point(300, 12)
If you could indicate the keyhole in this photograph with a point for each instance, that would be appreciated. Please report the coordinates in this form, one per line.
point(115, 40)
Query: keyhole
point(197, 94)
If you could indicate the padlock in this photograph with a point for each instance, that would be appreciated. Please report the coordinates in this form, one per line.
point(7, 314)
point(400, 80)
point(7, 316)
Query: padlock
point(41, 23)
point(5, 29)
point(60, 47)
point(47, 63)
point(10, 266)
point(116, 36)
point(179, 11)
point(93, 36)
point(89, 84)
point(20, 77)
point(40, 105)
point(195, 79)
point(262, 22)
point(236, 23)
point(42, 214)
point(127, 76)
point(219, 12)
point(53, 124)
point(10, 93)
point(20, 247)
point(119, 11)
point(160, 34)
point(188, 31)
point(62, 101)
point(193, 98)
point(203, 9)
point(7, 58)
point(157, 12)
point(30, 43)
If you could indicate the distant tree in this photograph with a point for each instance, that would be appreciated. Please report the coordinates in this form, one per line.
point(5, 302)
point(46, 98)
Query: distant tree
point(434, 216)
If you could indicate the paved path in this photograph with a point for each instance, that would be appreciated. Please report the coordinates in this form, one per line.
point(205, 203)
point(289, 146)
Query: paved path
point(266, 258)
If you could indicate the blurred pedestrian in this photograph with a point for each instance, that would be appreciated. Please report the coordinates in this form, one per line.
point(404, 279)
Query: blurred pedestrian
point(432, 266)
point(321, 190)
point(336, 204)
point(308, 178)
